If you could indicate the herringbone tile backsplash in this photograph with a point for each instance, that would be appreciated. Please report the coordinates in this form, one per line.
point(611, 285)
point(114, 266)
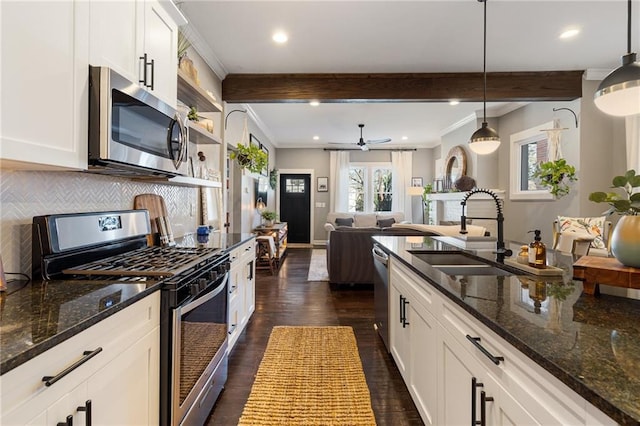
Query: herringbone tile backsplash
point(24, 194)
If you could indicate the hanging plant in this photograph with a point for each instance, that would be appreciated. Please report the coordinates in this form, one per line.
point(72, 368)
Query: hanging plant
point(556, 176)
point(273, 178)
point(250, 157)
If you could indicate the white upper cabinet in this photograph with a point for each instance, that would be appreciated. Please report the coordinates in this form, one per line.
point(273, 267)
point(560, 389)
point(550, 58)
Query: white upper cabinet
point(138, 39)
point(44, 80)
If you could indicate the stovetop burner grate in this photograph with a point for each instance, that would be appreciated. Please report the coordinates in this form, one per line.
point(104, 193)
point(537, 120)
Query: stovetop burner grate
point(148, 261)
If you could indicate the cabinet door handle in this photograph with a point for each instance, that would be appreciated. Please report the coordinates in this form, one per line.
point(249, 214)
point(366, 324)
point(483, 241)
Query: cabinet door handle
point(153, 73)
point(143, 58)
point(474, 385)
point(86, 356)
point(483, 407)
point(87, 410)
point(233, 328)
point(405, 302)
point(232, 289)
point(476, 342)
point(401, 309)
point(67, 422)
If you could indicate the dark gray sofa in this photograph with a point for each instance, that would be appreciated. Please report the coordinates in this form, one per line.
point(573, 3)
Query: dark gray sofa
point(349, 259)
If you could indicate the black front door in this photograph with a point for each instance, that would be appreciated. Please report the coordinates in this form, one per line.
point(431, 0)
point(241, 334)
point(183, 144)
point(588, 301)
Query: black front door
point(295, 206)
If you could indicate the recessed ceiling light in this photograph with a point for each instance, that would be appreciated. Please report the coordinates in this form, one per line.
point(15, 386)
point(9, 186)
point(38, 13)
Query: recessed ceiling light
point(314, 103)
point(570, 33)
point(404, 138)
point(453, 102)
point(315, 138)
point(280, 37)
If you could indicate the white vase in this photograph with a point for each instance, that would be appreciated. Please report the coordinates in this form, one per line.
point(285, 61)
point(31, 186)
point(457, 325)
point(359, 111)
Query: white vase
point(625, 241)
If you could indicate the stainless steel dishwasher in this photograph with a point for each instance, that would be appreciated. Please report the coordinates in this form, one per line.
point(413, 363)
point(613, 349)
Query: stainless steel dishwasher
point(381, 292)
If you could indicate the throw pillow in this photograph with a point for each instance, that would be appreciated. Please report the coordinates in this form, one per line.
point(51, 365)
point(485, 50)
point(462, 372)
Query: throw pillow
point(385, 223)
point(594, 226)
point(347, 221)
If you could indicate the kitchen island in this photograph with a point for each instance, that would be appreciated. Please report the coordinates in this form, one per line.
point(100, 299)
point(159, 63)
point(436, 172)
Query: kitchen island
point(568, 354)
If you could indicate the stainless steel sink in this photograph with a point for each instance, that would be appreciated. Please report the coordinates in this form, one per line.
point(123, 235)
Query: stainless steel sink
point(435, 258)
point(458, 263)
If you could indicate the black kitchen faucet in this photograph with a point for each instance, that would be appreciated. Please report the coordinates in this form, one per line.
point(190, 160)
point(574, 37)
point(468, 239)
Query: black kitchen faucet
point(501, 251)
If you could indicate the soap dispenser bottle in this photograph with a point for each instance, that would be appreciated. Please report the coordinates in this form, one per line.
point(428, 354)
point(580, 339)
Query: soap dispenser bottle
point(537, 252)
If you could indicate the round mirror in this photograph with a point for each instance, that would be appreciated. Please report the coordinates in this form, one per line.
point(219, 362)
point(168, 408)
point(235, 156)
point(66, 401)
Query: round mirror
point(455, 165)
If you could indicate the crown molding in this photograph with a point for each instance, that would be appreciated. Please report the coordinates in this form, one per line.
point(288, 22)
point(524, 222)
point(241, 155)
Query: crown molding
point(202, 47)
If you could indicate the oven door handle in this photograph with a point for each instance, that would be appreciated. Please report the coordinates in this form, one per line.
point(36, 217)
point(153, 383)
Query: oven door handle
point(199, 300)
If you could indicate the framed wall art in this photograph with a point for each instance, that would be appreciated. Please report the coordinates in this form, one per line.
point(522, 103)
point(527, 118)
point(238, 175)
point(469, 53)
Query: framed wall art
point(323, 184)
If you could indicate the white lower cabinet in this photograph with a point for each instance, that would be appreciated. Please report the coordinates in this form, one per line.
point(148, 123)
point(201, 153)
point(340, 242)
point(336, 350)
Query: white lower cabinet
point(118, 385)
point(469, 393)
point(412, 331)
point(440, 365)
point(241, 289)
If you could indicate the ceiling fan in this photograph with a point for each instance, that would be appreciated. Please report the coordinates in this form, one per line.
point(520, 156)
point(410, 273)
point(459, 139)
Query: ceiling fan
point(362, 144)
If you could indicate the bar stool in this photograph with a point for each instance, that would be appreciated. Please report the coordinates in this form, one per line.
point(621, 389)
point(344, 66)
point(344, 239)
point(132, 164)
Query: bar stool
point(266, 253)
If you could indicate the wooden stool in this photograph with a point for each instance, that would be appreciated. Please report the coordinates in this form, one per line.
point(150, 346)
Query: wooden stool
point(266, 254)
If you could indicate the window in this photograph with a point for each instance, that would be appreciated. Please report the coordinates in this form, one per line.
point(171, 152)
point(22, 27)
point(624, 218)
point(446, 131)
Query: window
point(294, 186)
point(370, 187)
point(528, 149)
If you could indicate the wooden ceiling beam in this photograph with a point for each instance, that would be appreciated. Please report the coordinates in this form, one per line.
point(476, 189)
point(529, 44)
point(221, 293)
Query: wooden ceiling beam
point(466, 87)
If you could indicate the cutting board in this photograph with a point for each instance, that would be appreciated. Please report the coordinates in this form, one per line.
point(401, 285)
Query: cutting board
point(155, 205)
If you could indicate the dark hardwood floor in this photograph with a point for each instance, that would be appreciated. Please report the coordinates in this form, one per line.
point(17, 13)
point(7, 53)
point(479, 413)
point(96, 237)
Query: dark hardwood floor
point(289, 299)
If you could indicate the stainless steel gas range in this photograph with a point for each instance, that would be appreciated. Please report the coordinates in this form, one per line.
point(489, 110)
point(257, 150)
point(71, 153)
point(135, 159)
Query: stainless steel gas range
point(193, 323)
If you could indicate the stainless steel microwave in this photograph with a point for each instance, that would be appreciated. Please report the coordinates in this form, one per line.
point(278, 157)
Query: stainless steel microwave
point(131, 132)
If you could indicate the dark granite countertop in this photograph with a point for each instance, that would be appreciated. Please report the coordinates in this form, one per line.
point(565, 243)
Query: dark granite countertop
point(590, 344)
point(217, 240)
point(36, 316)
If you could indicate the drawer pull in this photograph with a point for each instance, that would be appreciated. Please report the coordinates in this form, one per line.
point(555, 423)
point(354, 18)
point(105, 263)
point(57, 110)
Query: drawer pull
point(86, 356)
point(87, 409)
point(476, 342)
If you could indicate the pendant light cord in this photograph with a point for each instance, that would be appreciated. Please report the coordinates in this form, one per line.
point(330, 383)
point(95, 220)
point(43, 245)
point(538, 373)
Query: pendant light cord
point(629, 26)
point(484, 63)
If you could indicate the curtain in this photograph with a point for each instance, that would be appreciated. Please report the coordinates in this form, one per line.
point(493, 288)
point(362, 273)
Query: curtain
point(339, 181)
point(632, 125)
point(401, 167)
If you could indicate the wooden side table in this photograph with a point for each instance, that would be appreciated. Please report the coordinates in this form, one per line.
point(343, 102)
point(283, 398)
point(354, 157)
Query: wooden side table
point(279, 233)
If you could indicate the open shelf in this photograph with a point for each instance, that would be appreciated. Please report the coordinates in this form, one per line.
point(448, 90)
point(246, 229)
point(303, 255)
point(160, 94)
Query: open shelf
point(194, 96)
point(201, 136)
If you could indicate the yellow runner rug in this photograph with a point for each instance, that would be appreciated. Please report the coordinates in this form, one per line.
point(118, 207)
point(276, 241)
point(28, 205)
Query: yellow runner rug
point(310, 376)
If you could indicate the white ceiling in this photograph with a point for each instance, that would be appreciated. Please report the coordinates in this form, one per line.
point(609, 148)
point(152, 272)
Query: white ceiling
point(400, 36)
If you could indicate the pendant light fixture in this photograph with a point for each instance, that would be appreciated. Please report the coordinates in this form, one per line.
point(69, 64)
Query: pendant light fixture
point(485, 140)
point(619, 93)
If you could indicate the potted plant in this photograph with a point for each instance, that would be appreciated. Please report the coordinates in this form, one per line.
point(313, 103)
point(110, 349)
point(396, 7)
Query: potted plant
point(556, 176)
point(273, 178)
point(625, 239)
point(250, 157)
point(269, 216)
